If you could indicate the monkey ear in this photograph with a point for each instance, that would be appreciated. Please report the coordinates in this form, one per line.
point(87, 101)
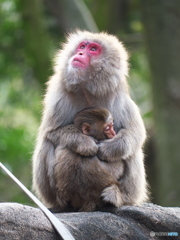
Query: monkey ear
point(86, 128)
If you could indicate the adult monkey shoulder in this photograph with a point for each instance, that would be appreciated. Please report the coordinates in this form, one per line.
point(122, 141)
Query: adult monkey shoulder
point(91, 69)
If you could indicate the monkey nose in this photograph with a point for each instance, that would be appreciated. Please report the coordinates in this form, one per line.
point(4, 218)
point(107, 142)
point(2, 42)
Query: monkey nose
point(80, 53)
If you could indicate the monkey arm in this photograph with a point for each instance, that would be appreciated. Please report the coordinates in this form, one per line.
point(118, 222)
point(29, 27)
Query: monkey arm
point(44, 157)
point(129, 139)
point(43, 167)
point(71, 138)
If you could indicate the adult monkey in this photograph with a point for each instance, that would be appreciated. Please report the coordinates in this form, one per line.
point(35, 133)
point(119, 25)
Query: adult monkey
point(91, 69)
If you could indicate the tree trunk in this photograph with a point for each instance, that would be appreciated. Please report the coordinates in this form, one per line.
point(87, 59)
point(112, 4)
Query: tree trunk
point(162, 31)
point(118, 20)
point(70, 15)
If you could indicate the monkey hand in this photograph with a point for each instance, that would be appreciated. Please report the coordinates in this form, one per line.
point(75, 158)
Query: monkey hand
point(85, 146)
point(123, 145)
point(70, 137)
point(109, 151)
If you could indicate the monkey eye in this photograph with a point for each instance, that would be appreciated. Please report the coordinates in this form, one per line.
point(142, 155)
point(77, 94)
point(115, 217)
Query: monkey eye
point(82, 46)
point(94, 49)
point(107, 128)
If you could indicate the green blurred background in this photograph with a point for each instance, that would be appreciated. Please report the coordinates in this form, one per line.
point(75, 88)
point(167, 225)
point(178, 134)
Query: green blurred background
point(30, 34)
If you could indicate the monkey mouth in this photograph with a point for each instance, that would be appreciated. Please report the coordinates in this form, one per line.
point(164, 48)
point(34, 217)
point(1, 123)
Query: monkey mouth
point(78, 63)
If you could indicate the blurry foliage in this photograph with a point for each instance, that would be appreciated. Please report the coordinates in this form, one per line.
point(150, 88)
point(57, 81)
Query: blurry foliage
point(19, 117)
point(20, 94)
point(19, 104)
point(139, 85)
point(10, 36)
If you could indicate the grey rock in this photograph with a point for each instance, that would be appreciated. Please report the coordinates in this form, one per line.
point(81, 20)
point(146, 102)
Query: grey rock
point(148, 221)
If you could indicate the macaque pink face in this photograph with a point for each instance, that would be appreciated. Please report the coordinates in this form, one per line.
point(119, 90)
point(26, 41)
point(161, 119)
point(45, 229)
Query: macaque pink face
point(109, 130)
point(84, 52)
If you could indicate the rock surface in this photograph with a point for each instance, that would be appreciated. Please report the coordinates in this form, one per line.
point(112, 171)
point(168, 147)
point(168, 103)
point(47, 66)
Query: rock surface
point(148, 221)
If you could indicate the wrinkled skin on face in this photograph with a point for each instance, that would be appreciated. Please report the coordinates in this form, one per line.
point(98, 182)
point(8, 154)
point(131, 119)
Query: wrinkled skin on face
point(84, 52)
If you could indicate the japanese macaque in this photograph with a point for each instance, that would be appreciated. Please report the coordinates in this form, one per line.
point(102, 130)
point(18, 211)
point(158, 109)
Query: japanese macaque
point(91, 70)
point(82, 182)
point(96, 122)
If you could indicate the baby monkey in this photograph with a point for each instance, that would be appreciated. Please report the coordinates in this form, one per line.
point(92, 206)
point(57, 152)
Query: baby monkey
point(96, 122)
point(84, 183)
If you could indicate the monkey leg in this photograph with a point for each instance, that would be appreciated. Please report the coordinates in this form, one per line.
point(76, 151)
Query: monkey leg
point(133, 184)
point(107, 176)
point(62, 200)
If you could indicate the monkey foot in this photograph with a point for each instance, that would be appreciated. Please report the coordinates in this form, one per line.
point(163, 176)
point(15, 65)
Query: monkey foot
point(112, 194)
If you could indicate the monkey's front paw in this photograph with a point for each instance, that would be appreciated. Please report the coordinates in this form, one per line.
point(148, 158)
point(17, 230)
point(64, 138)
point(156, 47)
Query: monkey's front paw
point(105, 152)
point(87, 147)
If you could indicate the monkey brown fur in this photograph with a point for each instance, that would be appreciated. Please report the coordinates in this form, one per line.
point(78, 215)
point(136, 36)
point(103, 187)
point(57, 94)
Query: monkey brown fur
point(81, 181)
point(91, 70)
point(96, 122)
